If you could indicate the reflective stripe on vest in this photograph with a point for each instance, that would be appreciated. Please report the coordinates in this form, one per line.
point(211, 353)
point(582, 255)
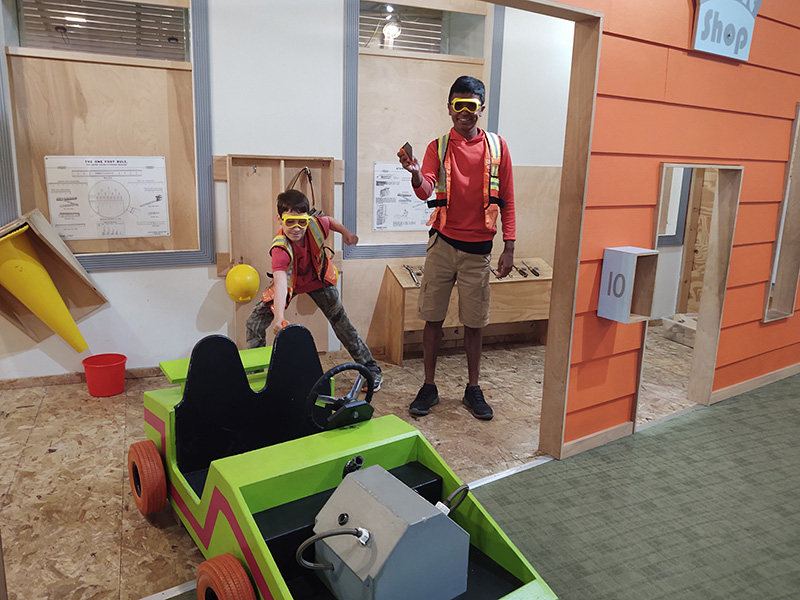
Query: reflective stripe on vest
point(491, 180)
point(323, 266)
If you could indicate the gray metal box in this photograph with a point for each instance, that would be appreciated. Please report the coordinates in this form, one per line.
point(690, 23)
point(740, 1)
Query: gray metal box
point(414, 550)
point(627, 282)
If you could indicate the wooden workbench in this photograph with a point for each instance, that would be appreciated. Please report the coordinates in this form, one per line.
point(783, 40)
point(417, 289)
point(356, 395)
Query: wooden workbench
point(513, 299)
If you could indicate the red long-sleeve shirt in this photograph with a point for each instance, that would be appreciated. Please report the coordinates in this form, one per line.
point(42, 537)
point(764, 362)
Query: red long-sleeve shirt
point(465, 220)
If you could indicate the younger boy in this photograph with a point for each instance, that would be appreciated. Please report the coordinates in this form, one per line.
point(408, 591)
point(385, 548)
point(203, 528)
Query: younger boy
point(301, 266)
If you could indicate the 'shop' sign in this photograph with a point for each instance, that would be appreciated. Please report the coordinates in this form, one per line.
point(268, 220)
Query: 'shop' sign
point(725, 27)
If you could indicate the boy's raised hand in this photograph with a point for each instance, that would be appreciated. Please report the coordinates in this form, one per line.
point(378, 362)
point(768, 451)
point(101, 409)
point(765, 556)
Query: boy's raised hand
point(348, 237)
point(409, 163)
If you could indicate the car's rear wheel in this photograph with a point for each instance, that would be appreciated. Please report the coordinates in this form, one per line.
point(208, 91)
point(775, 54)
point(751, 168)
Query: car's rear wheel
point(146, 473)
point(223, 578)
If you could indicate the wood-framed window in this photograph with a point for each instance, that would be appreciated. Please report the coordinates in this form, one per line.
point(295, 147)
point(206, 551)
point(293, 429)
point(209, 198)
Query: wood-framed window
point(134, 29)
point(781, 292)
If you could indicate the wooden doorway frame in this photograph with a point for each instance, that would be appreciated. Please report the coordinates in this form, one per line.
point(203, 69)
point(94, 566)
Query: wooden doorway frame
point(715, 281)
point(571, 207)
point(724, 209)
point(571, 203)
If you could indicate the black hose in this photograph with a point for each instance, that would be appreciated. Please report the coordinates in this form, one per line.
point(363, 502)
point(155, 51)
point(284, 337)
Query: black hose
point(315, 538)
point(463, 489)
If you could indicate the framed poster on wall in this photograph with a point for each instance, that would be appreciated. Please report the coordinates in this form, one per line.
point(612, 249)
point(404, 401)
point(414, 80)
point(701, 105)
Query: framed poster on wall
point(107, 197)
point(395, 205)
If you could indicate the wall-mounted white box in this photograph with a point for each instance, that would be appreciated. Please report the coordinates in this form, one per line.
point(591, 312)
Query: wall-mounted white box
point(627, 284)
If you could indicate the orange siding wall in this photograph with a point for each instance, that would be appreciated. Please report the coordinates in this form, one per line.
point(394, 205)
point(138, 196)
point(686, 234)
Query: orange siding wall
point(658, 101)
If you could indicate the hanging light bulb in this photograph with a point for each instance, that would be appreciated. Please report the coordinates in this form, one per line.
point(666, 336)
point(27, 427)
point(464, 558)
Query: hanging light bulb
point(391, 30)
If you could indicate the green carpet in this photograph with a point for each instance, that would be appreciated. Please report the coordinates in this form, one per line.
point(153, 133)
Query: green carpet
point(702, 506)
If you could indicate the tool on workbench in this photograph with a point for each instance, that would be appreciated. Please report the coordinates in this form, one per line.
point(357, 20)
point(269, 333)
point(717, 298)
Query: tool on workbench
point(522, 272)
point(410, 270)
point(533, 270)
point(496, 274)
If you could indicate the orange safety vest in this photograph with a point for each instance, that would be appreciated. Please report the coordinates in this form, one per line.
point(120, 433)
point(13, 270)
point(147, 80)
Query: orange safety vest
point(323, 266)
point(491, 181)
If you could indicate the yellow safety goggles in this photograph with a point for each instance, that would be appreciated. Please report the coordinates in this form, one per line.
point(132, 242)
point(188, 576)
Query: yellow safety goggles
point(470, 105)
point(290, 220)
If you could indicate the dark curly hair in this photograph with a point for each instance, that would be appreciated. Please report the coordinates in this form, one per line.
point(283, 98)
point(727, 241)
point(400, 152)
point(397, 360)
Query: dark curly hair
point(293, 200)
point(468, 85)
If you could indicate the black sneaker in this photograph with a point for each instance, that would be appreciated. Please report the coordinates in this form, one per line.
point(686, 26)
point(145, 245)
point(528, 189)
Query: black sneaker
point(474, 400)
point(427, 396)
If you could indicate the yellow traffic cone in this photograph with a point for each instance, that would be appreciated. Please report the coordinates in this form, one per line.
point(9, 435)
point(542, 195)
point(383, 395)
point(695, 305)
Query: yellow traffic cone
point(22, 274)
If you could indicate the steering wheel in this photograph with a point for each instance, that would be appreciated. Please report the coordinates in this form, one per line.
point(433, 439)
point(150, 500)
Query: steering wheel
point(321, 407)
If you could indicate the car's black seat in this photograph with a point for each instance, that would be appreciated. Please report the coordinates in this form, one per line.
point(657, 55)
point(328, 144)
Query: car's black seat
point(220, 415)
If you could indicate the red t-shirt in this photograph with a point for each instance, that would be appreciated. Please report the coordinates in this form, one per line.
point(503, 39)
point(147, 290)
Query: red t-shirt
point(305, 277)
point(465, 214)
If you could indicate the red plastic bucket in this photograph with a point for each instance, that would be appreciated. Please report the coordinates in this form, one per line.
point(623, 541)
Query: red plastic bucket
point(105, 374)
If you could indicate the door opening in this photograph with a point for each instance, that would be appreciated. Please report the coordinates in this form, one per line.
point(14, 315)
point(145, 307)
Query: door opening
point(695, 223)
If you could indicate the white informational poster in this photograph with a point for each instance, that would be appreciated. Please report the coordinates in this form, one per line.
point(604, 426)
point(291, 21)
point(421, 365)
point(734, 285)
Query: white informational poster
point(395, 205)
point(106, 197)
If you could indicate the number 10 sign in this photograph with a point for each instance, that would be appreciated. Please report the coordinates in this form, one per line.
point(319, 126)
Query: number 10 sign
point(626, 287)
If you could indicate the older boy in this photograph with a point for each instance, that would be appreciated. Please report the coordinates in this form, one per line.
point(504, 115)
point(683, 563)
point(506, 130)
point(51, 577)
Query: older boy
point(470, 170)
point(300, 265)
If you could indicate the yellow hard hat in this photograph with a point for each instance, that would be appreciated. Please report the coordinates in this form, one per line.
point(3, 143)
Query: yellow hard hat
point(242, 283)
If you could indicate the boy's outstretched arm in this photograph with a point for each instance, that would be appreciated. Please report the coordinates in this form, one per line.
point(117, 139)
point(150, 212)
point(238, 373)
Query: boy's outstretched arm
point(348, 237)
point(279, 299)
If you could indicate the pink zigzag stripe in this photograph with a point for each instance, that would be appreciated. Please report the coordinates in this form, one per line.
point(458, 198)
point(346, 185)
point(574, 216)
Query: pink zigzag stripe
point(218, 504)
point(151, 419)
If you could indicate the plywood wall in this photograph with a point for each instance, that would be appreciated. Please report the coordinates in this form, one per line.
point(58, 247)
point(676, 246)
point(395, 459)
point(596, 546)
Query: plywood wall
point(657, 102)
point(696, 240)
point(392, 112)
point(75, 104)
point(254, 183)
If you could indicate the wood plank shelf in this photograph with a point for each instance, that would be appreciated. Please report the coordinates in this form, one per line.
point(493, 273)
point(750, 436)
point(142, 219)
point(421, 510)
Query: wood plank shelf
point(513, 299)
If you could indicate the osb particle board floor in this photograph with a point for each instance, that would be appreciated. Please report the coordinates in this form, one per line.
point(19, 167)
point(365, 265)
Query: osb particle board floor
point(71, 531)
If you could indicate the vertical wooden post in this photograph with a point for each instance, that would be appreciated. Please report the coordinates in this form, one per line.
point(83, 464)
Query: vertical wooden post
point(566, 262)
point(785, 265)
point(3, 589)
point(715, 282)
point(690, 237)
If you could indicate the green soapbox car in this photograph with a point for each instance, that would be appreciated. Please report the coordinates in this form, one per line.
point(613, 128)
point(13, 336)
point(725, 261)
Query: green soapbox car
point(248, 459)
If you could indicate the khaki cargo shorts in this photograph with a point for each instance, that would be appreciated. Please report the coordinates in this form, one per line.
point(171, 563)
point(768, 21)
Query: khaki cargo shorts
point(444, 265)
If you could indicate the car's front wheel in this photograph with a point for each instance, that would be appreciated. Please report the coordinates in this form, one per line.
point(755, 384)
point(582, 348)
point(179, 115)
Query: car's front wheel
point(223, 578)
point(148, 481)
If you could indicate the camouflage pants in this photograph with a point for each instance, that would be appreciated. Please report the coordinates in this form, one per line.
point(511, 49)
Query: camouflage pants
point(328, 301)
